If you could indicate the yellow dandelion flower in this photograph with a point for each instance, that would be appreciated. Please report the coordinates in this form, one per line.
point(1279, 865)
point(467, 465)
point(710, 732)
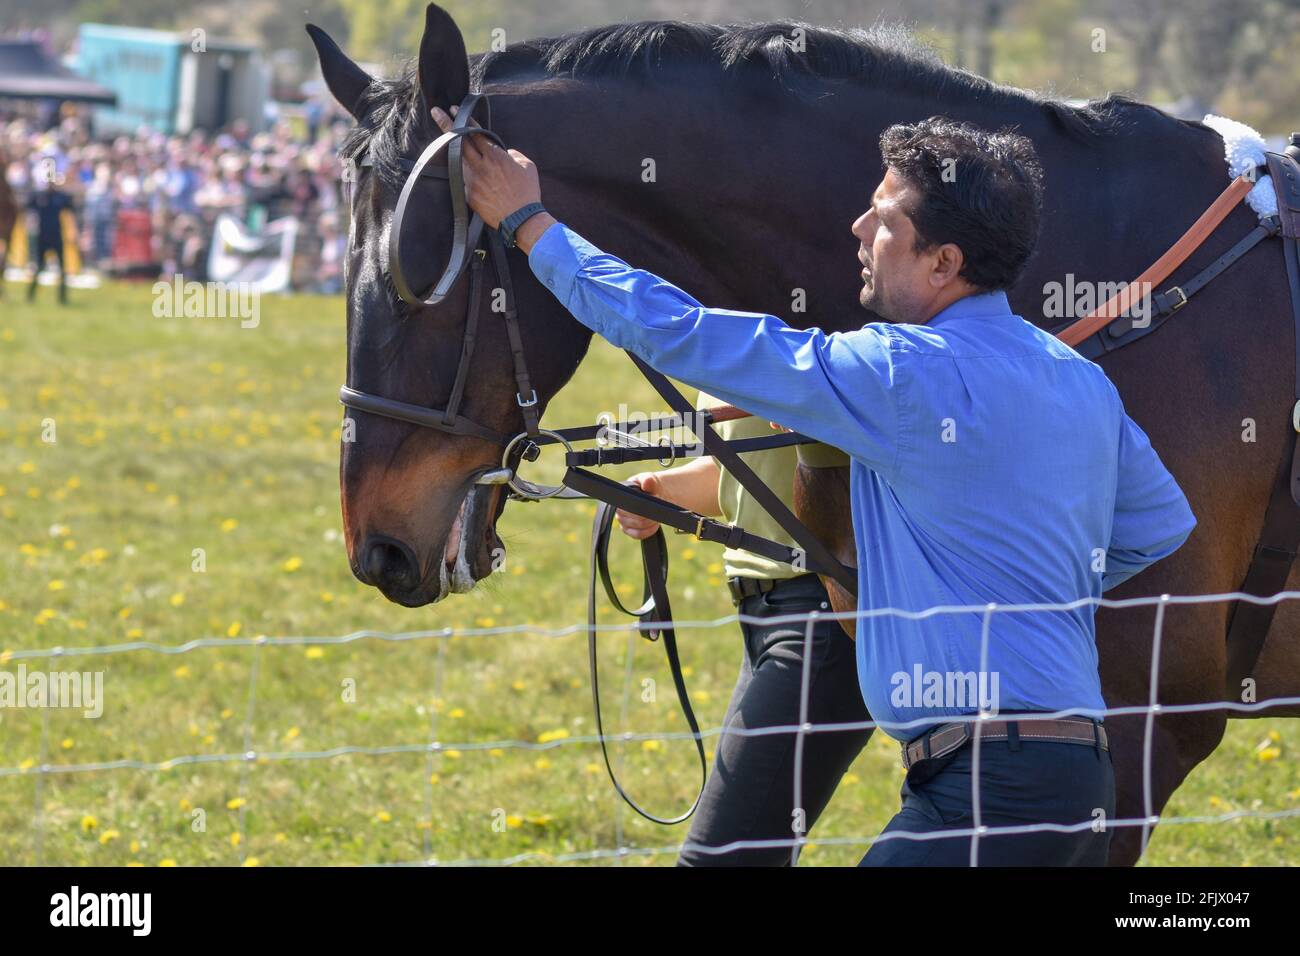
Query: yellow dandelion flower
point(234, 629)
point(452, 754)
point(293, 564)
point(434, 778)
point(88, 823)
point(281, 838)
point(688, 554)
point(496, 752)
point(519, 685)
point(652, 745)
point(541, 763)
point(326, 597)
point(485, 622)
point(252, 861)
point(108, 836)
point(229, 525)
point(227, 713)
point(592, 768)
point(124, 613)
point(185, 804)
point(292, 733)
point(315, 653)
point(234, 803)
point(547, 736)
point(1274, 736)
point(167, 862)
point(182, 672)
point(514, 822)
point(135, 846)
point(57, 585)
point(26, 468)
point(383, 816)
point(67, 743)
point(177, 599)
point(236, 839)
point(135, 632)
point(27, 764)
point(850, 779)
point(1270, 753)
point(456, 712)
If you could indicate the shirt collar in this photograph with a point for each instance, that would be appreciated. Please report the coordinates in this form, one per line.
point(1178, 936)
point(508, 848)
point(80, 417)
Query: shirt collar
point(981, 305)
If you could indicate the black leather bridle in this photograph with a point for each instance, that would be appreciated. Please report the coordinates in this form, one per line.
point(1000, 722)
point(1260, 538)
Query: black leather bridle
point(466, 252)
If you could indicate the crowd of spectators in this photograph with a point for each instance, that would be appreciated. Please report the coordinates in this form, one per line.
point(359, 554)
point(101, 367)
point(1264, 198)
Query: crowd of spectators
point(182, 183)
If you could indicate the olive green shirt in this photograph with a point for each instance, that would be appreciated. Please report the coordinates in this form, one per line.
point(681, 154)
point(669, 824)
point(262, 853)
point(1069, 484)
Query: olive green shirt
point(775, 467)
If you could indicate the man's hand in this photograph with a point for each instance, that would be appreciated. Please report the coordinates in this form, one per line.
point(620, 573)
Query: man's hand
point(497, 181)
point(635, 526)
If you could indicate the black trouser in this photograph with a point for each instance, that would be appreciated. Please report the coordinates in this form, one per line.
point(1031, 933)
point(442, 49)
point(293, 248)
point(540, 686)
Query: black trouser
point(43, 246)
point(1034, 781)
point(750, 793)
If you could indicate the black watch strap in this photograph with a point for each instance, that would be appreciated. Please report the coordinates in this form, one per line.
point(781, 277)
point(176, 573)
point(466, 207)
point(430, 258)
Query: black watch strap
point(516, 219)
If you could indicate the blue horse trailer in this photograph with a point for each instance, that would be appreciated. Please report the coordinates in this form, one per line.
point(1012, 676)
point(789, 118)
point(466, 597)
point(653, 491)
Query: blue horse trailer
point(172, 82)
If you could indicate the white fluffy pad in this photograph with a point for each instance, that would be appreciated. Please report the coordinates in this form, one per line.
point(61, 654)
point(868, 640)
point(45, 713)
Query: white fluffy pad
point(1243, 148)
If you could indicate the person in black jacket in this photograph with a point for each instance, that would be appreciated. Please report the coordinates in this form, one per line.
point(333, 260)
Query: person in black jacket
point(47, 205)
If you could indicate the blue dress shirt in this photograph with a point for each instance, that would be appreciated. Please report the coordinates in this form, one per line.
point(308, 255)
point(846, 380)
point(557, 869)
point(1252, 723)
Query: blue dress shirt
point(990, 463)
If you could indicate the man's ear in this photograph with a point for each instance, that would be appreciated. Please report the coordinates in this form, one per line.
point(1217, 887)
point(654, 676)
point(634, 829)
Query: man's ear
point(948, 263)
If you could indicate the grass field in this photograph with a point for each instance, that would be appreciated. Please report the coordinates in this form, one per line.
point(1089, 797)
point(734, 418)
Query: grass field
point(181, 434)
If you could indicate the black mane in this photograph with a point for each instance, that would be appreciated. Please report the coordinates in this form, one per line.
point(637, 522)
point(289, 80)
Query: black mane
point(881, 57)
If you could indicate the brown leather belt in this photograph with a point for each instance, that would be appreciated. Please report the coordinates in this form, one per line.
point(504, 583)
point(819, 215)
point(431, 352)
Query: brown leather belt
point(947, 738)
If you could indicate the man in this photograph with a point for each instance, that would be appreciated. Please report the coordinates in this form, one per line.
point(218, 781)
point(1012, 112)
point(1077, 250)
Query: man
point(46, 206)
point(966, 487)
point(750, 793)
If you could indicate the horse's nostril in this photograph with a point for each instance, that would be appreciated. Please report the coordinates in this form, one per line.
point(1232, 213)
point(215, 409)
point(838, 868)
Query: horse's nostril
point(390, 565)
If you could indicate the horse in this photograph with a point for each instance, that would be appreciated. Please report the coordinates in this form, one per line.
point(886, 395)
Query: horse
point(8, 216)
point(731, 160)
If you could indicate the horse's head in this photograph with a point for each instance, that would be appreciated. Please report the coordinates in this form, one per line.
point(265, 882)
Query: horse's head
point(416, 523)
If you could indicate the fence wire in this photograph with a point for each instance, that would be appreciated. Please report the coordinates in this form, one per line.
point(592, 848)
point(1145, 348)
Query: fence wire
point(799, 840)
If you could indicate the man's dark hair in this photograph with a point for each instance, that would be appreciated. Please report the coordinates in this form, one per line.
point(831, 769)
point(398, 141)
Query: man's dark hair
point(981, 191)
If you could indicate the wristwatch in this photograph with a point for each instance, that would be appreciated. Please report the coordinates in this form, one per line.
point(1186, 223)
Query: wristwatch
point(517, 219)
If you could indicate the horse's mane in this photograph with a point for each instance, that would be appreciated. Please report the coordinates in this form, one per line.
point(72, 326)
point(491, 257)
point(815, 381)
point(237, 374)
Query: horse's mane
point(883, 57)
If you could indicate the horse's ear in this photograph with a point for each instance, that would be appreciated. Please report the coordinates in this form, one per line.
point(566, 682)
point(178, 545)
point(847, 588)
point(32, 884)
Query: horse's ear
point(345, 79)
point(444, 65)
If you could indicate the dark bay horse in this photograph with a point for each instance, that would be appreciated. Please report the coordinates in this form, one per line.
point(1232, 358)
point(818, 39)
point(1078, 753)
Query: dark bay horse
point(732, 161)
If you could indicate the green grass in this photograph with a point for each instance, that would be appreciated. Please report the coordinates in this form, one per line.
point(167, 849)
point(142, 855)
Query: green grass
point(179, 434)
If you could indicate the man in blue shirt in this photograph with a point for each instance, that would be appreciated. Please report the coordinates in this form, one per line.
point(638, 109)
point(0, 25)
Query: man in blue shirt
point(991, 464)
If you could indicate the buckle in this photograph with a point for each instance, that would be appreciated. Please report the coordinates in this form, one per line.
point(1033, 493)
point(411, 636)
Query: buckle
point(1182, 297)
point(529, 403)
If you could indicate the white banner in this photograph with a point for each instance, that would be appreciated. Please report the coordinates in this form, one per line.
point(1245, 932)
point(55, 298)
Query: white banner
point(264, 260)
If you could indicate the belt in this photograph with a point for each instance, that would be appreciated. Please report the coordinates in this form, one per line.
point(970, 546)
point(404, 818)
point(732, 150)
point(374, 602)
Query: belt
point(742, 588)
point(947, 738)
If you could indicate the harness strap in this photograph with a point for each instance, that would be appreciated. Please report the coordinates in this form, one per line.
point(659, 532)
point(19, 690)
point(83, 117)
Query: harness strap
point(525, 396)
point(467, 341)
point(633, 499)
point(817, 554)
point(654, 609)
point(1162, 268)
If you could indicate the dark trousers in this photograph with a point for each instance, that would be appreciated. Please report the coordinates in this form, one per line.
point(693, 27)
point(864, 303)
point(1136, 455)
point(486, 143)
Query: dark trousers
point(750, 793)
point(1035, 782)
point(43, 246)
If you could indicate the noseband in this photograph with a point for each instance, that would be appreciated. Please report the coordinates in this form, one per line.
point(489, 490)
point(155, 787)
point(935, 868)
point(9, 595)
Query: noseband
point(466, 252)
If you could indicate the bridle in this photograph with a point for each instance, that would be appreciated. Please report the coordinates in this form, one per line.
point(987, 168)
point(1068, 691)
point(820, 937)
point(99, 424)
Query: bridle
point(466, 252)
